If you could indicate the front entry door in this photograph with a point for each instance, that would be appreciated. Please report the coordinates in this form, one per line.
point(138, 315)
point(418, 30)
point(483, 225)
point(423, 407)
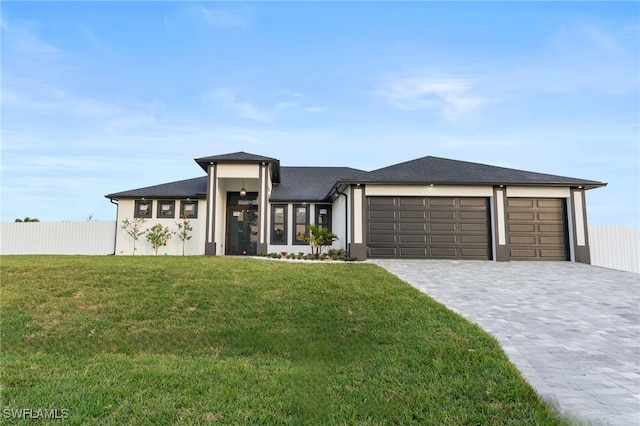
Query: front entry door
point(242, 230)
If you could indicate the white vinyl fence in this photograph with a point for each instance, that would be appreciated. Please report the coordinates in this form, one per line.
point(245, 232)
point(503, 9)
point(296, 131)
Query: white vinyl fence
point(93, 238)
point(615, 247)
point(612, 247)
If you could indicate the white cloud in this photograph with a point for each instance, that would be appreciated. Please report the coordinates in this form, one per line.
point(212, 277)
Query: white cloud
point(451, 97)
point(227, 99)
point(220, 18)
point(21, 38)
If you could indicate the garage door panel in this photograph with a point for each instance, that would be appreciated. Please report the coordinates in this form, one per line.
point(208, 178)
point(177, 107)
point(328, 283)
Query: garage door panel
point(472, 253)
point(522, 240)
point(410, 214)
point(410, 238)
point(439, 239)
point(473, 227)
point(444, 252)
point(522, 227)
point(436, 227)
point(473, 202)
point(382, 214)
point(435, 215)
point(478, 215)
point(412, 226)
point(383, 226)
point(442, 202)
point(550, 216)
point(383, 252)
point(430, 227)
point(539, 233)
point(552, 254)
point(524, 216)
point(520, 202)
point(522, 253)
point(550, 203)
point(381, 238)
point(380, 202)
point(474, 239)
point(409, 202)
point(413, 251)
point(553, 240)
point(555, 228)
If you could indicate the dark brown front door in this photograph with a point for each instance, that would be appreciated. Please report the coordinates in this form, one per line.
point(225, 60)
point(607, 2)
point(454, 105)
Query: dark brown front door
point(242, 230)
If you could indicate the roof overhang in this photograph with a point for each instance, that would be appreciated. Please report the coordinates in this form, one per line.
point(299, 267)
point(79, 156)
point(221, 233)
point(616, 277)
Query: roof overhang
point(582, 185)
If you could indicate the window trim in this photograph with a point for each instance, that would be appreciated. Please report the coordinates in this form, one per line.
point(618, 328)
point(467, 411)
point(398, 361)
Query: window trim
point(195, 209)
point(296, 241)
point(137, 210)
point(273, 223)
point(171, 211)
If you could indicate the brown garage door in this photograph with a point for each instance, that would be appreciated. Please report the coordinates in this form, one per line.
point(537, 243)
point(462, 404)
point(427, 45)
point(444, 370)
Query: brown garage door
point(537, 228)
point(428, 227)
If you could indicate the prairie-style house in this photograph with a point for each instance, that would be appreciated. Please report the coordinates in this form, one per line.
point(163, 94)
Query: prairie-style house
point(428, 208)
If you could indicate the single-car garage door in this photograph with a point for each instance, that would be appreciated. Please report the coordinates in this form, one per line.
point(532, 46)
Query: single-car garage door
point(537, 228)
point(428, 227)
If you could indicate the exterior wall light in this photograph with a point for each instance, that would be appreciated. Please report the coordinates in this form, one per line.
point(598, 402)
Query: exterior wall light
point(243, 192)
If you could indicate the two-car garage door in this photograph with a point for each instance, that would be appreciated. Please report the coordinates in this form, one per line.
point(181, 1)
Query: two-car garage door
point(459, 228)
point(428, 227)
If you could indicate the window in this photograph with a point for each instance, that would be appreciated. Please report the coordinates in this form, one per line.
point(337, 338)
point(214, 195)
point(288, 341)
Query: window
point(279, 224)
point(166, 209)
point(188, 209)
point(301, 223)
point(323, 216)
point(143, 208)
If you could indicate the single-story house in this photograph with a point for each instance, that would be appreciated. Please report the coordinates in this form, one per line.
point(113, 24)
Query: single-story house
point(430, 207)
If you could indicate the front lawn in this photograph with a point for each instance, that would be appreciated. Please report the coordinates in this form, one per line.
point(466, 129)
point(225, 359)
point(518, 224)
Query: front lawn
point(192, 340)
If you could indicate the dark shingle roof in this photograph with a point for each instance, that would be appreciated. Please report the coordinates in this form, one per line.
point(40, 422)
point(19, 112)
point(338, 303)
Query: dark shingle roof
point(235, 157)
point(316, 183)
point(189, 188)
point(445, 171)
point(309, 183)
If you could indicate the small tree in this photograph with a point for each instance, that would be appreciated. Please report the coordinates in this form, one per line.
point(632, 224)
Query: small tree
point(318, 239)
point(27, 219)
point(134, 229)
point(184, 232)
point(158, 236)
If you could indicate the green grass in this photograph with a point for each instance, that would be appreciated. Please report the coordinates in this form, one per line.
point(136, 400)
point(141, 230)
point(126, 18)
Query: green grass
point(196, 340)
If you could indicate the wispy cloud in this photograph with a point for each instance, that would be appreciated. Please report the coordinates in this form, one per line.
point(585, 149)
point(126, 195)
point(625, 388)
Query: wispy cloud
point(20, 39)
point(227, 99)
point(219, 18)
point(450, 97)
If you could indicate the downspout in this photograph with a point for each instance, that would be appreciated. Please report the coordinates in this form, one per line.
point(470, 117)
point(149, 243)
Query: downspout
point(346, 218)
point(115, 237)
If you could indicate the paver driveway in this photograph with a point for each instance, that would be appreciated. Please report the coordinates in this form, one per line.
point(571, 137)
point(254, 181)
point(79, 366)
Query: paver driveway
point(573, 330)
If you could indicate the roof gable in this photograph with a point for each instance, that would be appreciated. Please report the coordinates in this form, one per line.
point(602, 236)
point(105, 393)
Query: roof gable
point(444, 171)
point(235, 157)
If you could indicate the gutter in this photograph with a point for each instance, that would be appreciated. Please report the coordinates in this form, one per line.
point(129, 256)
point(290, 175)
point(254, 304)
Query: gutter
point(115, 237)
point(585, 184)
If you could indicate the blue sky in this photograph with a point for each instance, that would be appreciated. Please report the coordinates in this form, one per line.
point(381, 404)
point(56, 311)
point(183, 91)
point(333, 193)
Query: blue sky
point(104, 97)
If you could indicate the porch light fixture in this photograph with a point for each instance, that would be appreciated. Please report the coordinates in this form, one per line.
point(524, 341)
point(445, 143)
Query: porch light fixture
point(243, 192)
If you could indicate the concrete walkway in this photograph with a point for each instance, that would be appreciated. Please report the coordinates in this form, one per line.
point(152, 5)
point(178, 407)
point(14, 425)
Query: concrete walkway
point(573, 330)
